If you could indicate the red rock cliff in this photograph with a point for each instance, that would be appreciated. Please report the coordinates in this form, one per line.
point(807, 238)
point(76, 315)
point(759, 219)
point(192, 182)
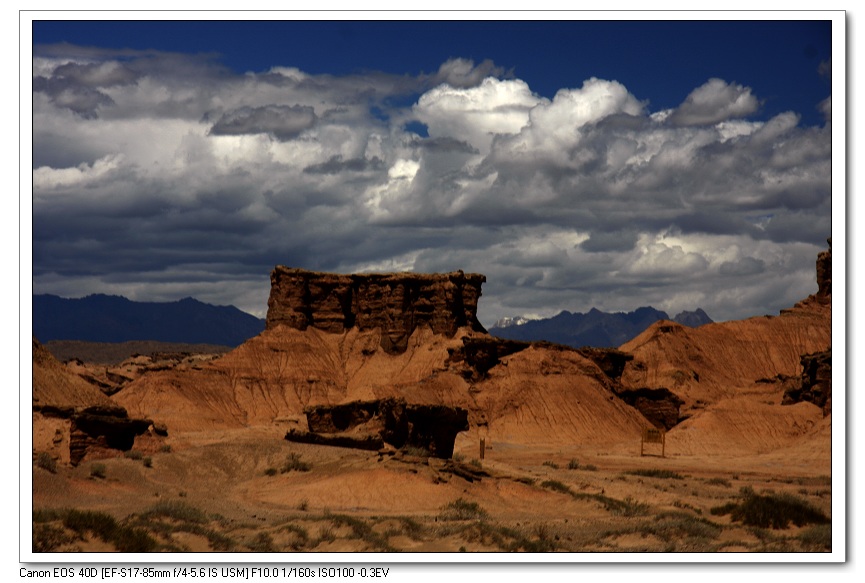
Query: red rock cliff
point(395, 302)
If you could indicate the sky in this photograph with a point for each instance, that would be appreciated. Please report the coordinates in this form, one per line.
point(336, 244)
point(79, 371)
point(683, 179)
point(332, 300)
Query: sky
point(576, 164)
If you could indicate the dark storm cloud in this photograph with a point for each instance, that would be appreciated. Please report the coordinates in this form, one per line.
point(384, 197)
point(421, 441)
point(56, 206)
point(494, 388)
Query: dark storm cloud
point(66, 93)
point(447, 145)
point(745, 266)
point(197, 181)
point(336, 165)
point(284, 122)
point(610, 241)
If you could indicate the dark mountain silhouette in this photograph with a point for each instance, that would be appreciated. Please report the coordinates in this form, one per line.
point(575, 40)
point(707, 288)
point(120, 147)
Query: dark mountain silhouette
point(103, 318)
point(693, 319)
point(595, 328)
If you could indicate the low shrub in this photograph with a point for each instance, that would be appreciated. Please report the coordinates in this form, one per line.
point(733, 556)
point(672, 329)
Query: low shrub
point(461, 509)
point(262, 543)
point(133, 454)
point(97, 471)
point(573, 465)
point(719, 482)
point(416, 451)
point(47, 538)
point(556, 485)
point(818, 536)
point(771, 511)
point(361, 530)
point(628, 507)
point(176, 510)
point(293, 463)
point(126, 539)
point(47, 514)
point(550, 464)
point(656, 473)
point(46, 462)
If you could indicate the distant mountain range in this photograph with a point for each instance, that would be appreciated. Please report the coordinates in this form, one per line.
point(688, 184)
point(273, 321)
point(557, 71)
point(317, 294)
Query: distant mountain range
point(104, 318)
point(595, 328)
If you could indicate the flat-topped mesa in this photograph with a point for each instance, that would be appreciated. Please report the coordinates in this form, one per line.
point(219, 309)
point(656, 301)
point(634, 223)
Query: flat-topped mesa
point(395, 302)
point(824, 273)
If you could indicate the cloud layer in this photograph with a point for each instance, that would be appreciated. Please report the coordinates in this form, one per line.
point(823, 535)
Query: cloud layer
point(159, 176)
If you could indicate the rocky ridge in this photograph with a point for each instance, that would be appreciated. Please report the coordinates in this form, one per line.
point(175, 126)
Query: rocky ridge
point(397, 303)
point(73, 419)
point(335, 340)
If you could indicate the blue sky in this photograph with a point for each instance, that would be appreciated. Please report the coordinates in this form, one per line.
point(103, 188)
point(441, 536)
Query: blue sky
point(660, 61)
point(576, 164)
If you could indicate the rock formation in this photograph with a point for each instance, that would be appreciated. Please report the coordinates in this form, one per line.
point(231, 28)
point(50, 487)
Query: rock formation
point(371, 424)
point(71, 418)
point(659, 406)
point(398, 303)
point(815, 383)
point(824, 272)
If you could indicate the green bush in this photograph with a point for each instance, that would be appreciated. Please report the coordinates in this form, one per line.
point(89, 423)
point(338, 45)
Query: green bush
point(99, 523)
point(294, 463)
point(262, 543)
point(133, 454)
point(148, 462)
point(573, 465)
point(47, 514)
point(46, 462)
point(655, 473)
point(461, 509)
point(629, 507)
point(550, 464)
point(416, 451)
point(104, 526)
point(47, 537)
point(556, 485)
point(771, 511)
point(176, 510)
point(819, 536)
point(97, 471)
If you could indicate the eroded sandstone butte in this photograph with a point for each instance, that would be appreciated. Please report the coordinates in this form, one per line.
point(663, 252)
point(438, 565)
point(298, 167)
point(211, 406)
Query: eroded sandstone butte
point(73, 419)
point(397, 303)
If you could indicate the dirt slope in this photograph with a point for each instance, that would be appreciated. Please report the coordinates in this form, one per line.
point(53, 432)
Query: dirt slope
point(715, 361)
point(54, 386)
point(539, 395)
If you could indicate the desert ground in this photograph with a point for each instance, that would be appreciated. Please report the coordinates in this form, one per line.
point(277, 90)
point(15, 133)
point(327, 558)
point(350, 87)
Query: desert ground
point(205, 466)
point(233, 491)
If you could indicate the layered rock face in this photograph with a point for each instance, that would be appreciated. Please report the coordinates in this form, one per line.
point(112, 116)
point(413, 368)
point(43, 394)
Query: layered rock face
point(659, 406)
point(815, 383)
point(397, 303)
point(72, 419)
point(371, 424)
point(824, 273)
